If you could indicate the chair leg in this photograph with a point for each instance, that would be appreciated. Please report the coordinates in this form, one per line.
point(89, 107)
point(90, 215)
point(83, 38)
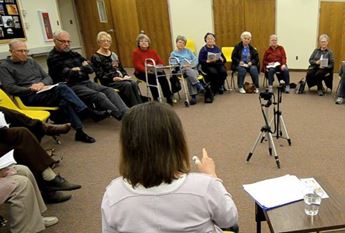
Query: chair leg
point(232, 81)
point(57, 139)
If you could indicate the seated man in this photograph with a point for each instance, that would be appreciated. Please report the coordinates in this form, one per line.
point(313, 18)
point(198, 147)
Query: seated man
point(69, 66)
point(23, 77)
point(28, 152)
point(36, 127)
point(341, 91)
point(274, 62)
point(18, 188)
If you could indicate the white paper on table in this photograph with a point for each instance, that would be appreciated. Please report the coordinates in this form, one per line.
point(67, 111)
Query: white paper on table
point(275, 192)
point(312, 184)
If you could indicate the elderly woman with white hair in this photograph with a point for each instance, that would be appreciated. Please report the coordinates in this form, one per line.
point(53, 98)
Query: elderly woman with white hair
point(321, 66)
point(245, 58)
point(188, 62)
point(110, 72)
point(142, 52)
point(274, 62)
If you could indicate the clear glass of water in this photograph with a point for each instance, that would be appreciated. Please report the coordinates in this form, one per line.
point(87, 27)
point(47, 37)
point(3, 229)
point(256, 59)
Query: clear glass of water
point(312, 203)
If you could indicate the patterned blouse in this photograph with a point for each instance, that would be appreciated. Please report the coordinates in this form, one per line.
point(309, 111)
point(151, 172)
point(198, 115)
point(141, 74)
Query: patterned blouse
point(107, 67)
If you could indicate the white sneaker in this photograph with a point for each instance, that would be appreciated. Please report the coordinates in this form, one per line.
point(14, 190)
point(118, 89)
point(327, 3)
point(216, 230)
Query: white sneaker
point(241, 90)
point(339, 100)
point(50, 221)
point(256, 90)
point(270, 89)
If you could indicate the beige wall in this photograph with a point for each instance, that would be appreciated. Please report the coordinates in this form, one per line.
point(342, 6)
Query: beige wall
point(34, 32)
point(297, 29)
point(191, 18)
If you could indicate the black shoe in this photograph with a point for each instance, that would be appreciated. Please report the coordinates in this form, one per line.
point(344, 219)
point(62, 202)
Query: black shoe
point(221, 90)
point(55, 197)
point(60, 184)
point(192, 101)
point(99, 115)
point(83, 137)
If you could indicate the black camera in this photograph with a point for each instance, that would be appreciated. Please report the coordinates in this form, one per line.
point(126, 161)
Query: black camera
point(266, 95)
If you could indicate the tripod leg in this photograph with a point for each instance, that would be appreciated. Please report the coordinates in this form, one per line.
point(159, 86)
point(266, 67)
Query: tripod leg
point(254, 146)
point(285, 130)
point(274, 149)
point(269, 143)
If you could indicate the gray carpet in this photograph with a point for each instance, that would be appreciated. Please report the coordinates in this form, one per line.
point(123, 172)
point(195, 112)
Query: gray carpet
point(227, 128)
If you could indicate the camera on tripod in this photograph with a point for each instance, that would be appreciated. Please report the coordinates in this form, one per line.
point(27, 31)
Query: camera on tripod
point(266, 95)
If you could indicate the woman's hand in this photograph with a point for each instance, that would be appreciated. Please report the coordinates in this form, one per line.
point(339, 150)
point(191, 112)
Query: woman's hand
point(117, 78)
point(207, 165)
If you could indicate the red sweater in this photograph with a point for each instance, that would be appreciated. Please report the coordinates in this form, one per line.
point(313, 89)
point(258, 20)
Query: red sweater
point(273, 55)
point(139, 56)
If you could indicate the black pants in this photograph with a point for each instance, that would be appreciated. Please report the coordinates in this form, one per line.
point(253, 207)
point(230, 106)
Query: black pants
point(215, 74)
point(152, 80)
point(316, 76)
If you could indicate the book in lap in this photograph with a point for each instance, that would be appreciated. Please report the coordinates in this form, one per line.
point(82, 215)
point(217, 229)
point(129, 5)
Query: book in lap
point(273, 65)
point(213, 56)
point(7, 160)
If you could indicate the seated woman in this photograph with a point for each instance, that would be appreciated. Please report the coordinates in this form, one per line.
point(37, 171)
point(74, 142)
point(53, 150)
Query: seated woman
point(212, 63)
point(138, 56)
point(19, 189)
point(189, 62)
point(341, 91)
point(321, 66)
point(245, 59)
point(274, 62)
point(110, 72)
point(157, 192)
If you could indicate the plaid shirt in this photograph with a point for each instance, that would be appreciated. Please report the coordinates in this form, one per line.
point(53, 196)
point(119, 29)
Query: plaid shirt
point(60, 66)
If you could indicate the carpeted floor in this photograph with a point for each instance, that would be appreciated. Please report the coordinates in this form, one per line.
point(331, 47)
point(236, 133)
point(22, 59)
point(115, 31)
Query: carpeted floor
point(228, 129)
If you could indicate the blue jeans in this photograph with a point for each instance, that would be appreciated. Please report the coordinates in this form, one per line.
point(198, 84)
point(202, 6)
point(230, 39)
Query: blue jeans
point(63, 97)
point(281, 74)
point(254, 74)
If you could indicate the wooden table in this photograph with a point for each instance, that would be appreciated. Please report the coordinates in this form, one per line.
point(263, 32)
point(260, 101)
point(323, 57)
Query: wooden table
point(292, 219)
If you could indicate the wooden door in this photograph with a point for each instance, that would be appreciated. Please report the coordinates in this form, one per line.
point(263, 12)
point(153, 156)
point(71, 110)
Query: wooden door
point(90, 24)
point(232, 17)
point(153, 18)
point(332, 20)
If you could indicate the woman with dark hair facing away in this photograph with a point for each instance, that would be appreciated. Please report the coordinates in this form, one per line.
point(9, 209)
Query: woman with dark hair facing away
point(142, 52)
point(156, 191)
point(110, 72)
point(212, 63)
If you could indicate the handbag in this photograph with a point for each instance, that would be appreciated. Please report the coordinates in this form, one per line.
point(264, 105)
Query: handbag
point(300, 86)
point(175, 84)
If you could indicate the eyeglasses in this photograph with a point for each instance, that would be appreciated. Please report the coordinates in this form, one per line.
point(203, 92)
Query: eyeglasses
point(64, 41)
point(105, 41)
point(21, 50)
point(143, 41)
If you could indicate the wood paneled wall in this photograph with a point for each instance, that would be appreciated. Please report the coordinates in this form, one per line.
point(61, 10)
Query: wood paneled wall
point(332, 22)
point(126, 18)
point(232, 17)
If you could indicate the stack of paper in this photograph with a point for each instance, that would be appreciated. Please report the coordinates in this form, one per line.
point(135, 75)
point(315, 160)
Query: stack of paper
point(277, 191)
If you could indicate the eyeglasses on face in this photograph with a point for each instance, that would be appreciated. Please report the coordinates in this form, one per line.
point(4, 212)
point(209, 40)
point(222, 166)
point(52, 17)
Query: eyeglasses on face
point(21, 50)
point(105, 41)
point(143, 41)
point(64, 41)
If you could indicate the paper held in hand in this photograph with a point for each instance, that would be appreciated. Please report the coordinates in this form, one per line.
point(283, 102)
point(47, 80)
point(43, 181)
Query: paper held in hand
point(7, 160)
point(47, 88)
point(213, 56)
point(324, 62)
point(273, 64)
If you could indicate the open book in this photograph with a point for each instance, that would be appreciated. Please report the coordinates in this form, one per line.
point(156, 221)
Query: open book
point(213, 56)
point(273, 65)
point(7, 160)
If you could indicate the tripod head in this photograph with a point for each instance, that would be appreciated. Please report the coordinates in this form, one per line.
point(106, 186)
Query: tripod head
point(267, 96)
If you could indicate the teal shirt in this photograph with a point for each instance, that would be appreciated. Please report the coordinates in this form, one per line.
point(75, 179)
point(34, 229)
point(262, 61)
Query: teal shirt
point(185, 56)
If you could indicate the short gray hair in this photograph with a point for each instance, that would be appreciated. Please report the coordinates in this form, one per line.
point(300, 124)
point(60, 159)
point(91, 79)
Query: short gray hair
point(324, 36)
point(141, 36)
point(246, 34)
point(183, 38)
point(57, 33)
point(103, 34)
point(13, 42)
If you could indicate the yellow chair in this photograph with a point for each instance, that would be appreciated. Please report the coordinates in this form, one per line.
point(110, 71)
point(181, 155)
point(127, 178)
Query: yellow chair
point(22, 106)
point(37, 113)
point(191, 46)
point(6, 101)
point(227, 52)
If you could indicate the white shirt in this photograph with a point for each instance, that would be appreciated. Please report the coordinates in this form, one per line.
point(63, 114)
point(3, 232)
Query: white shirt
point(193, 203)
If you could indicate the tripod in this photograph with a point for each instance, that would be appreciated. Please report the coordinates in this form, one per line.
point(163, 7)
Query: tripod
point(266, 131)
